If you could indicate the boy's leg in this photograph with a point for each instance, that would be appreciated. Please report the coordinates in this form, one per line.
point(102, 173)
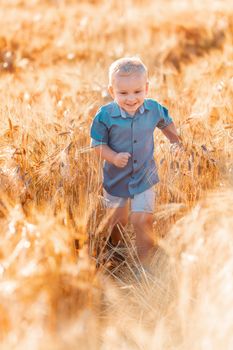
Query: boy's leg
point(116, 215)
point(142, 207)
point(143, 227)
point(118, 218)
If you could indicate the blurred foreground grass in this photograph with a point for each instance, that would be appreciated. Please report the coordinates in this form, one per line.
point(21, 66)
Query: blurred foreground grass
point(54, 57)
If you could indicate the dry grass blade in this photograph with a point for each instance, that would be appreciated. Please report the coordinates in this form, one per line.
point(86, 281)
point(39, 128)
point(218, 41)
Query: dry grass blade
point(59, 283)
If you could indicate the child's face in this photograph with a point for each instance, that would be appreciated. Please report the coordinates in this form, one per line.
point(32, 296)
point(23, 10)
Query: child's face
point(129, 91)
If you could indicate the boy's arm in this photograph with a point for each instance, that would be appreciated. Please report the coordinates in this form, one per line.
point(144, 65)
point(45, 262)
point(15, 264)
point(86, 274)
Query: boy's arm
point(105, 153)
point(171, 133)
point(120, 160)
point(99, 140)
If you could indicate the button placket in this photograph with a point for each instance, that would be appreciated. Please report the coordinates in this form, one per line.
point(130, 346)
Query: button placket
point(134, 139)
point(132, 135)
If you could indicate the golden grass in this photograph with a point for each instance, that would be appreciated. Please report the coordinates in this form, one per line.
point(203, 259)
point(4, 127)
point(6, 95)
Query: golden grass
point(54, 57)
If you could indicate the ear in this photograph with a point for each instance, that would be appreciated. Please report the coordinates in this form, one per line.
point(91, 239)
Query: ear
point(110, 90)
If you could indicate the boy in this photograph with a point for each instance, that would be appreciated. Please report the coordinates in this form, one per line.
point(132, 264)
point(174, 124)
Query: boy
point(122, 134)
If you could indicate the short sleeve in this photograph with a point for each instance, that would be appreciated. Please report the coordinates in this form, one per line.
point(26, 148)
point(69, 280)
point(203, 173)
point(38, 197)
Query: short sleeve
point(99, 130)
point(95, 143)
point(164, 117)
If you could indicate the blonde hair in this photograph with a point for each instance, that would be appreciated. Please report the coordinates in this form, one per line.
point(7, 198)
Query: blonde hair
point(126, 66)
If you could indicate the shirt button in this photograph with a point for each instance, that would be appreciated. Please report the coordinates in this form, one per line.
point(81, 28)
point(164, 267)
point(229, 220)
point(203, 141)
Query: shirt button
point(135, 141)
point(135, 161)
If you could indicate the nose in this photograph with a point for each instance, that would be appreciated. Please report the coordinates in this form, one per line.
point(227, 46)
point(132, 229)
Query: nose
point(131, 98)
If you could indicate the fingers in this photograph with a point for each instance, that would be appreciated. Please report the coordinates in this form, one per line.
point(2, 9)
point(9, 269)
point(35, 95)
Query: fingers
point(125, 157)
point(128, 154)
point(176, 146)
point(176, 149)
point(123, 162)
point(122, 159)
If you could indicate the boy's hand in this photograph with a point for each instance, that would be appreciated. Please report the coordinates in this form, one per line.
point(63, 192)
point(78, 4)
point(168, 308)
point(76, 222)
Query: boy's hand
point(121, 159)
point(176, 148)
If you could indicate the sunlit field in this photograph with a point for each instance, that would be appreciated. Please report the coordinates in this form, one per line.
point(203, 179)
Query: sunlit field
point(60, 287)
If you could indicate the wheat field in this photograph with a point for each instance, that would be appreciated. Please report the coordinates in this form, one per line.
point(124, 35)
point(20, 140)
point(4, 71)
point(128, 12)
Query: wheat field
point(60, 288)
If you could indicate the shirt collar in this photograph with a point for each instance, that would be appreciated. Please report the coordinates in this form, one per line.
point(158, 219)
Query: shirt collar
point(117, 111)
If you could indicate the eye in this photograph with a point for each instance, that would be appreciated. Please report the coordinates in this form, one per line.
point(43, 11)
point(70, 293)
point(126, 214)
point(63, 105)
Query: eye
point(137, 92)
point(123, 93)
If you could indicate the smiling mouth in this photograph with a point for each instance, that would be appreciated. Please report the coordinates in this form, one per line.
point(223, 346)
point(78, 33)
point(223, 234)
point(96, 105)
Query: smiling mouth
point(133, 105)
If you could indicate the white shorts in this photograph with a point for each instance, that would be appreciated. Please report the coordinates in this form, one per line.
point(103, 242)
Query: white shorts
point(142, 202)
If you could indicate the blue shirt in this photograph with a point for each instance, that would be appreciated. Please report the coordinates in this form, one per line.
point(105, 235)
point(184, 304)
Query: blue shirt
point(134, 134)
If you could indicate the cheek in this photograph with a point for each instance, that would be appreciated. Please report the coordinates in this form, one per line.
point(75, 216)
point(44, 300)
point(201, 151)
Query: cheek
point(142, 96)
point(120, 98)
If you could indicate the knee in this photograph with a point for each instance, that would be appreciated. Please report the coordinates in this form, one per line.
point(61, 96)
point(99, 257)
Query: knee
point(122, 222)
point(142, 220)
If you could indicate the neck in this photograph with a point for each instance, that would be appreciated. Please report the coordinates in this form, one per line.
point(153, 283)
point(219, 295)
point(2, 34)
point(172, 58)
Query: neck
point(132, 114)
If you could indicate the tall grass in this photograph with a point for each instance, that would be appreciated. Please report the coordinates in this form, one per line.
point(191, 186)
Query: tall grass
point(54, 57)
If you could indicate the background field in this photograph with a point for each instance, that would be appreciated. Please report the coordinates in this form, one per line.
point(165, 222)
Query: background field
point(55, 293)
